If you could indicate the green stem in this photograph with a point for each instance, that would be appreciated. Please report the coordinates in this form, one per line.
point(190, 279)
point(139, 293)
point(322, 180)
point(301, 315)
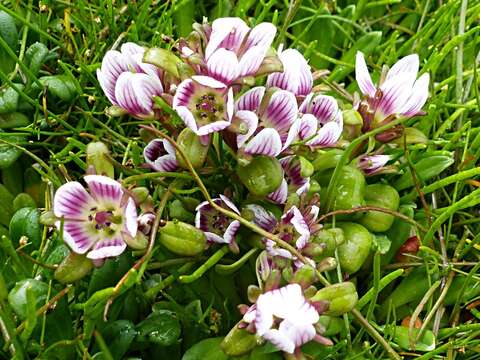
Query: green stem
point(205, 266)
point(231, 268)
point(387, 279)
point(153, 291)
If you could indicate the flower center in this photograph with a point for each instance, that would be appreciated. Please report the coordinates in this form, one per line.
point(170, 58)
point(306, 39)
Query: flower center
point(105, 220)
point(219, 224)
point(208, 108)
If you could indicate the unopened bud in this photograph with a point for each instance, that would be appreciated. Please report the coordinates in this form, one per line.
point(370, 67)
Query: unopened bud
point(182, 238)
point(238, 342)
point(305, 276)
point(73, 268)
point(48, 218)
point(97, 156)
point(253, 292)
point(115, 111)
point(192, 147)
point(341, 297)
point(162, 58)
point(327, 264)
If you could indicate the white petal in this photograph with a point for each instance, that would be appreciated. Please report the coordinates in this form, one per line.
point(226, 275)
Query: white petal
point(281, 112)
point(308, 126)
point(418, 97)
point(280, 195)
point(251, 61)
point(79, 235)
point(223, 66)
point(327, 136)
point(250, 119)
point(184, 93)
point(395, 94)
point(130, 217)
point(208, 82)
point(213, 127)
point(187, 118)
point(407, 67)
point(107, 248)
point(228, 32)
point(261, 35)
point(105, 190)
point(362, 76)
point(266, 142)
point(229, 203)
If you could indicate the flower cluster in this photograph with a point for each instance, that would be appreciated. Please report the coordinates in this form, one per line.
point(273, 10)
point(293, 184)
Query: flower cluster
point(227, 87)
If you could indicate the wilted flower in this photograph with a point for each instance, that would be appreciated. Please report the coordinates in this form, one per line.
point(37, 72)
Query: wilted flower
point(204, 104)
point(321, 121)
point(128, 82)
point(401, 93)
point(372, 164)
point(98, 222)
point(218, 228)
point(296, 76)
point(271, 120)
point(284, 317)
point(160, 155)
point(293, 180)
point(234, 50)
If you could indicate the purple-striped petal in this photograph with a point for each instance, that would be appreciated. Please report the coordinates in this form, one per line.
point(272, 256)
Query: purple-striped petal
point(407, 67)
point(105, 190)
point(130, 218)
point(107, 248)
point(261, 35)
point(158, 158)
point(324, 108)
point(187, 117)
point(229, 204)
point(131, 49)
point(418, 97)
point(227, 33)
point(292, 134)
point(263, 218)
point(266, 142)
point(223, 65)
point(79, 235)
point(362, 76)
point(372, 163)
point(213, 127)
point(231, 231)
point(280, 195)
point(281, 341)
point(72, 201)
point(327, 136)
point(308, 126)
point(300, 226)
point(250, 119)
point(395, 94)
point(296, 76)
point(212, 237)
point(184, 93)
point(134, 92)
point(250, 61)
point(251, 99)
point(281, 111)
point(208, 81)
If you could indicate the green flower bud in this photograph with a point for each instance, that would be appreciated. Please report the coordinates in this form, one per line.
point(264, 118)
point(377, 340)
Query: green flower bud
point(306, 167)
point(97, 153)
point(139, 242)
point(327, 264)
point(193, 149)
point(330, 239)
point(115, 111)
point(262, 175)
point(73, 268)
point(271, 63)
point(164, 59)
point(350, 189)
point(341, 297)
point(238, 342)
point(305, 276)
point(356, 248)
point(140, 194)
point(253, 292)
point(383, 196)
point(182, 238)
point(185, 71)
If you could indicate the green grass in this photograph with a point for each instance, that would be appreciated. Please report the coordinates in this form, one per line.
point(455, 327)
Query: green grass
point(59, 120)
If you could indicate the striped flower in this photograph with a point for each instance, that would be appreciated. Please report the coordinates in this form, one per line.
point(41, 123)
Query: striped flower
point(400, 94)
point(98, 222)
point(372, 164)
point(218, 227)
point(128, 82)
point(160, 155)
point(271, 120)
point(321, 122)
point(284, 317)
point(235, 50)
point(292, 180)
point(204, 104)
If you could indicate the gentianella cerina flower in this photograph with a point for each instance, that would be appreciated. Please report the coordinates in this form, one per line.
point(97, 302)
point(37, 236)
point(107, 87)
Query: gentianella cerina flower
point(98, 222)
point(234, 50)
point(160, 155)
point(292, 180)
point(218, 227)
point(284, 317)
point(398, 93)
point(128, 82)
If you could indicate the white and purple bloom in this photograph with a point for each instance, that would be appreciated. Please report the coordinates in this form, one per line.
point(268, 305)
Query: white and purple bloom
point(99, 222)
point(160, 155)
point(292, 180)
point(204, 104)
point(321, 121)
point(372, 164)
point(235, 50)
point(284, 317)
point(296, 76)
point(128, 82)
point(271, 120)
point(218, 227)
point(400, 93)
